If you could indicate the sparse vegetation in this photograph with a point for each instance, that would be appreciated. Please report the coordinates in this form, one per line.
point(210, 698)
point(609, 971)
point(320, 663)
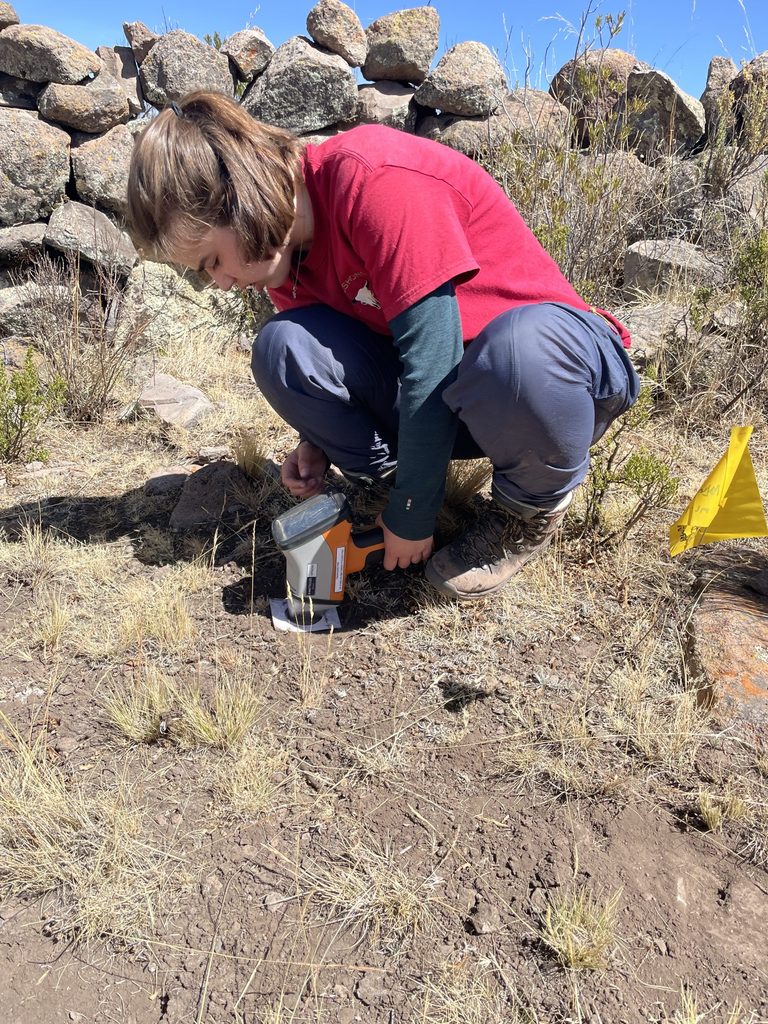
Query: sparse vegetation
point(25, 403)
point(580, 929)
point(276, 828)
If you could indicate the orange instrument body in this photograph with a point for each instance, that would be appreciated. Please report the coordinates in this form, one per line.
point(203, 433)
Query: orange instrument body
point(321, 550)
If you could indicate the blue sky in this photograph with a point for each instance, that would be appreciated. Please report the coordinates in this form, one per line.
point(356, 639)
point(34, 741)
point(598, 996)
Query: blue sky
point(677, 36)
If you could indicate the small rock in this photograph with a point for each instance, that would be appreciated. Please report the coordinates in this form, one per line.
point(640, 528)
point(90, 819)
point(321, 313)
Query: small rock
point(166, 481)
point(273, 901)
point(174, 402)
point(372, 989)
point(485, 919)
point(250, 51)
point(140, 39)
point(211, 886)
point(209, 494)
point(213, 453)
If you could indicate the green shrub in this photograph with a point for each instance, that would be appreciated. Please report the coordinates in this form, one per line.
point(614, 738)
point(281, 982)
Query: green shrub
point(25, 403)
point(623, 469)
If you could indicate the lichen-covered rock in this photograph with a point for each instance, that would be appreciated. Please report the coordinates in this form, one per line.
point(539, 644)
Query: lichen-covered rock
point(250, 51)
point(40, 54)
point(526, 117)
point(387, 103)
point(101, 168)
point(95, 106)
point(750, 93)
point(591, 85)
point(336, 27)
point(16, 92)
point(468, 81)
point(175, 306)
point(8, 16)
point(20, 306)
point(716, 98)
point(303, 89)
point(140, 39)
point(119, 62)
point(661, 117)
point(401, 45)
point(653, 264)
point(749, 192)
point(21, 242)
point(74, 228)
point(532, 116)
point(34, 166)
point(179, 63)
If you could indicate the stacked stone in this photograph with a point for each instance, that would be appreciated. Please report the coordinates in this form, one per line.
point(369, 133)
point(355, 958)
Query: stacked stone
point(68, 115)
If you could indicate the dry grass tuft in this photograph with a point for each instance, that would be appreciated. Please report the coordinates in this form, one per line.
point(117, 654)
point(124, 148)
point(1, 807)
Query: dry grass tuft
point(86, 853)
point(250, 784)
point(137, 709)
point(154, 707)
point(468, 992)
point(39, 559)
point(156, 617)
point(580, 930)
point(367, 888)
point(717, 809)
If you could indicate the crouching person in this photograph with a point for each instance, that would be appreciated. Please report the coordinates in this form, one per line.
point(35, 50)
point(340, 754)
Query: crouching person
point(420, 320)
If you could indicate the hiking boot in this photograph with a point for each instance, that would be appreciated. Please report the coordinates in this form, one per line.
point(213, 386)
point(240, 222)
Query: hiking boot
point(486, 557)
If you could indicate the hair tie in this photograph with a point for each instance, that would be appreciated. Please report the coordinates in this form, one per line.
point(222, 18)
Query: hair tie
point(176, 108)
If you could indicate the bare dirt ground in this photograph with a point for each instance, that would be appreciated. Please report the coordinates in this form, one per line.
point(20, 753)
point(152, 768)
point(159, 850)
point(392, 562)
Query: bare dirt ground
point(503, 812)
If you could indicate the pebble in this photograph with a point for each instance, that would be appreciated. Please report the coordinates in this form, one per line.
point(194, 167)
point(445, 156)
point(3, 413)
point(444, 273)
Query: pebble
point(485, 919)
point(371, 989)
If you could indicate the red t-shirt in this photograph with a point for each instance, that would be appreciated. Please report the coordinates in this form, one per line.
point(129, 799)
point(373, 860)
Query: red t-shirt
point(396, 216)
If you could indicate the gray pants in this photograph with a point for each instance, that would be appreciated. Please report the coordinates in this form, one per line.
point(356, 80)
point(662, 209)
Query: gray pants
point(535, 389)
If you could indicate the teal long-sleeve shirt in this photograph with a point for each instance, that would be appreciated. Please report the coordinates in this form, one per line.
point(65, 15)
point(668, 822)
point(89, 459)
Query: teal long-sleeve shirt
point(429, 340)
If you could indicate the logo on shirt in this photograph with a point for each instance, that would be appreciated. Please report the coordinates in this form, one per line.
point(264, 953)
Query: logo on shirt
point(367, 298)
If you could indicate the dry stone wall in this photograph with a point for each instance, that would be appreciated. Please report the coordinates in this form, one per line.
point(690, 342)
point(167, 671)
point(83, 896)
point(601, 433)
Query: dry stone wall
point(68, 115)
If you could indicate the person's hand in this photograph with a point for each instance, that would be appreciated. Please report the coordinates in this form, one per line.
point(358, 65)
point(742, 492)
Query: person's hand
point(400, 553)
point(303, 472)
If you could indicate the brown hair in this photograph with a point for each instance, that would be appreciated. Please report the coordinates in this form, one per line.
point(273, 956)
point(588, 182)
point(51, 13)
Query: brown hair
point(207, 163)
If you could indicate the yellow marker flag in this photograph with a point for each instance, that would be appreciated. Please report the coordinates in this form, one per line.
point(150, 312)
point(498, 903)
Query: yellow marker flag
point(727, 504)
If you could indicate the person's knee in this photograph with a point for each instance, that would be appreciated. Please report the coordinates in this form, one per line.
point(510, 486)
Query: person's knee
point(271, 349)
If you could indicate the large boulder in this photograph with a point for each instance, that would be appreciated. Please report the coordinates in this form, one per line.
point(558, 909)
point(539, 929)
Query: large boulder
point(81, 230)
point(175, 307)
point(34, 166)
point(468, 81)
point(8, 16)
point(527, 118)
point(40, 54)
point(654, 264)
point(179, 63)
point(21, 242)
point(336, 27)
point(16, 92)
point(95, 106)
point(140, 39)
point(101, 167)
point(388, 103)
point(119, 62)
point(249, 52)
point(750, 99)
point(590, 86)
point(662, 119)
point(303, 89)
point(401, 45)
point(716, 98)
point(749, 191)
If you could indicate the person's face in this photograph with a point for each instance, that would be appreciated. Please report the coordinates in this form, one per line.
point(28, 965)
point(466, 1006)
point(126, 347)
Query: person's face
point(218, 254)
